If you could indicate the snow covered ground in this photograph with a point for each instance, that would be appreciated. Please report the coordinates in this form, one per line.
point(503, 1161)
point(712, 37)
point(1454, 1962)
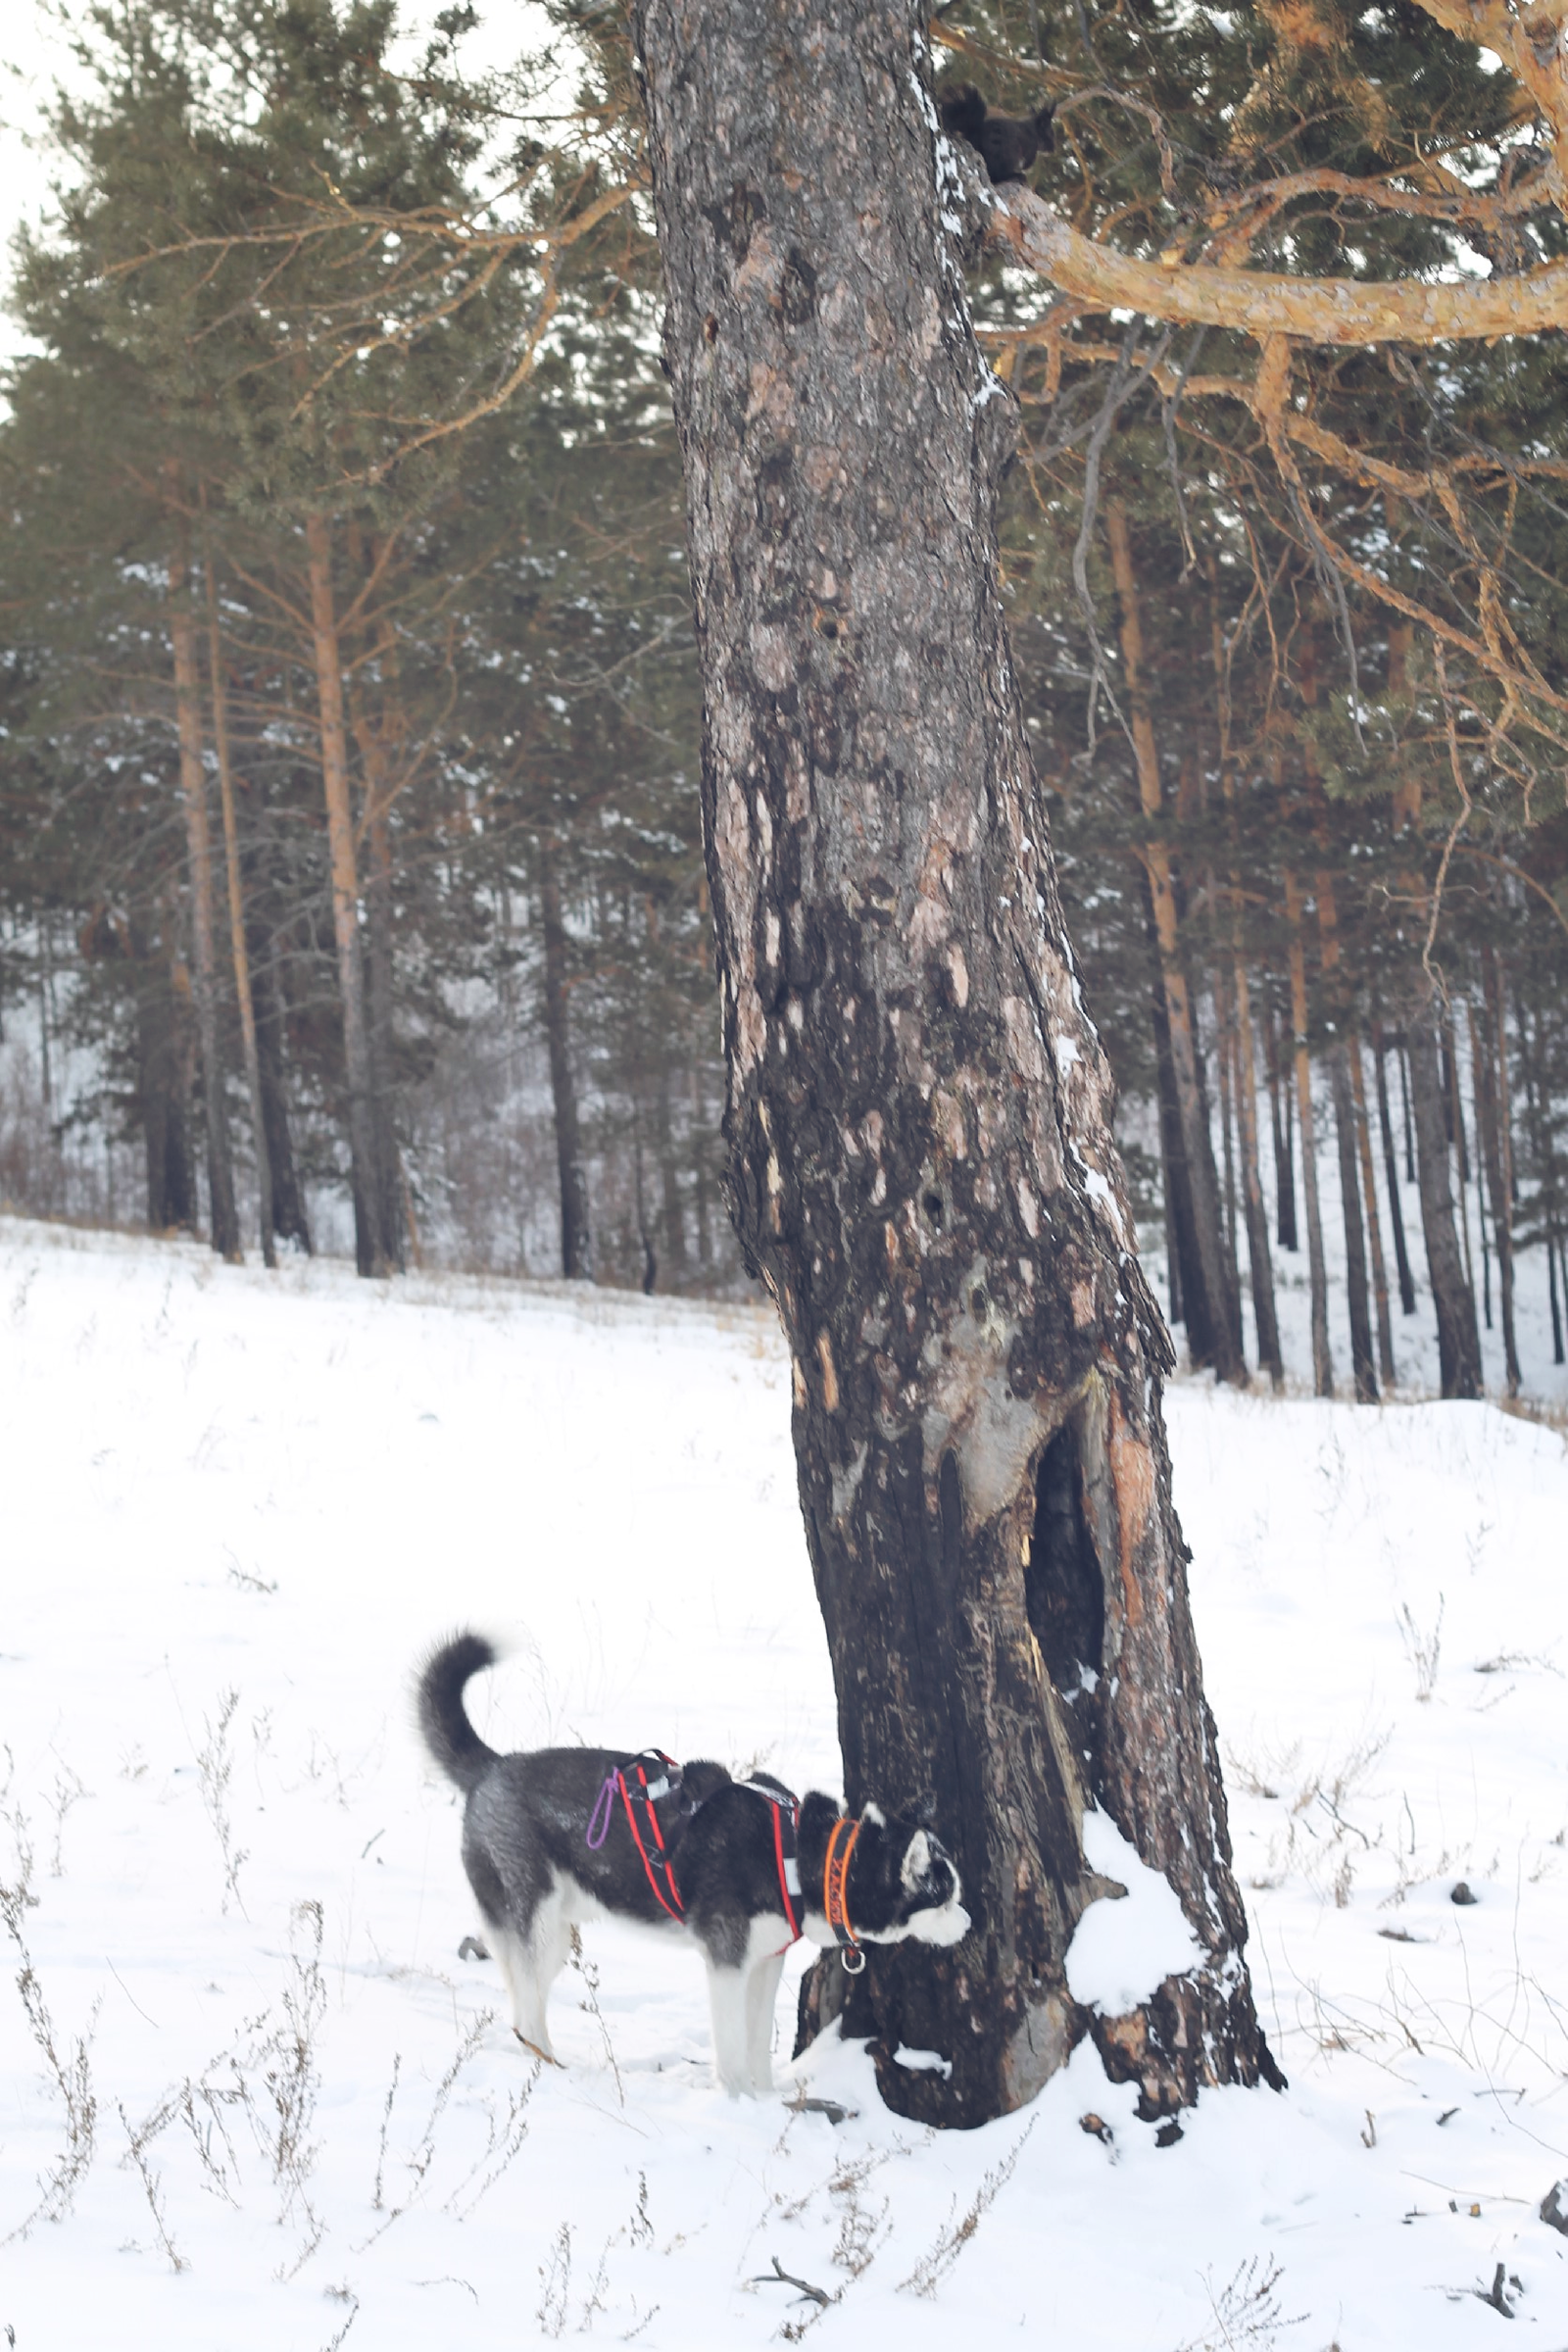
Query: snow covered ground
point(281, 2113)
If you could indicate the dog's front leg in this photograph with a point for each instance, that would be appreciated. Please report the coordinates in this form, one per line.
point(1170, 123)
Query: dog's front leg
point(726, 1998)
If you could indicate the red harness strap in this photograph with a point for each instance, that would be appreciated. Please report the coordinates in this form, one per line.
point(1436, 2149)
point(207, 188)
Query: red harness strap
point(783, 1877)
point(671, 1904)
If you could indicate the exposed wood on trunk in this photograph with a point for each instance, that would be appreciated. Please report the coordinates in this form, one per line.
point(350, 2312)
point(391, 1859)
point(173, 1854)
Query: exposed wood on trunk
point(1317, 1272)
point(198, 851)
point(371, 1253)
point(1220, 1312)
point(238, 949)
point(918, 1122)
point(576, 1249)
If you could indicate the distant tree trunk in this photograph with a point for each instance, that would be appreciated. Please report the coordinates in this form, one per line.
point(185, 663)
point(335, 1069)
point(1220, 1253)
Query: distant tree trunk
point(1374, 1222)
point(1391, 1166)
point(199, 849)
point(380, 743)
point(236, 917)
point(673, 1214)
point(577, 1252)
point(1546, 1161)
point(1261, 1266)
point(1279, 1104)
point(1491, 1051)
point(1317, 1270)
point(1188, 1300)
point(371, 1252)
point(161, 1094)
point(290, 1222)
point(920, 1161)
point(1362, 1369)
point(392, 1208)
point(1458, 1341)
point(1219, 1318)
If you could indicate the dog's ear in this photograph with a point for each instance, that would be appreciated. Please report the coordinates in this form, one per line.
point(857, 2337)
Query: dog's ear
point(917, 1861)
point(872, 1817)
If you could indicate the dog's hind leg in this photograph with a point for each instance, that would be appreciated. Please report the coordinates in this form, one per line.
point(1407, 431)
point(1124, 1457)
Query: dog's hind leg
point(762, 1995)
point(726, 2000)
point(529, 1965)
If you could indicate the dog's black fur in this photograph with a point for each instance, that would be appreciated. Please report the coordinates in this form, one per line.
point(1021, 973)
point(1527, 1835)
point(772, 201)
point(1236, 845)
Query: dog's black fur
point(534, 1876)
point(1007, 144)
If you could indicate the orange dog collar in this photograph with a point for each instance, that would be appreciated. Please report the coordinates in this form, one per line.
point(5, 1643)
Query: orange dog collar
point(835, 1892)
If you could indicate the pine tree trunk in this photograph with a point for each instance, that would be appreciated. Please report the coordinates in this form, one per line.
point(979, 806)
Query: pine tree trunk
point(1317, 1271)
point(1458, 1341)
point(920, 1161)
point(371, 1253)
point(576, 1250)
point(198, 851)
point(239, 952)
point(1219, 1315)
point(1374, 1222)
point(1390, 1168)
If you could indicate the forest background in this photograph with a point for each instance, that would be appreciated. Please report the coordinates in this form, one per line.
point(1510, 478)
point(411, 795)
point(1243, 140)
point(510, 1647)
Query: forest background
point(349, 849)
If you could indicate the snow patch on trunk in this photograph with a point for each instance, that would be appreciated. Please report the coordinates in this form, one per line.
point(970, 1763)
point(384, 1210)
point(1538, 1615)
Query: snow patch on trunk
point(1125, 1946)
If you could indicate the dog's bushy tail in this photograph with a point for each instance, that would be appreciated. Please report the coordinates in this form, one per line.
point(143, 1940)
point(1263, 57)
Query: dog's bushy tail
point(454, 1743)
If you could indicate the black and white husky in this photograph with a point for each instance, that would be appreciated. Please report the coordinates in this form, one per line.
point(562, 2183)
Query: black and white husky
point(565, 1835)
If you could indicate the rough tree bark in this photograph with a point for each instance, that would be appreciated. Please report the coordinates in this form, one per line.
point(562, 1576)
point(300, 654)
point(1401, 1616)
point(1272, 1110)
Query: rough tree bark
point(920, 1163)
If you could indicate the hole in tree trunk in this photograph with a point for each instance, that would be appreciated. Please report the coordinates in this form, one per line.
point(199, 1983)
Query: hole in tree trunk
point(1063, 1585)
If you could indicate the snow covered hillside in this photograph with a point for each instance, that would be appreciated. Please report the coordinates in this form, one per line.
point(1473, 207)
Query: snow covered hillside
point(251, 2098)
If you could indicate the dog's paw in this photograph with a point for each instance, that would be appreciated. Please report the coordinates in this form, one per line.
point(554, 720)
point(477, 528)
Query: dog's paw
point(471, 1948)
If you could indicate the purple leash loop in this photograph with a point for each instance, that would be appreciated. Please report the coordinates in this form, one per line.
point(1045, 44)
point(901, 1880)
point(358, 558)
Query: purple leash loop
point(599, 1823)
